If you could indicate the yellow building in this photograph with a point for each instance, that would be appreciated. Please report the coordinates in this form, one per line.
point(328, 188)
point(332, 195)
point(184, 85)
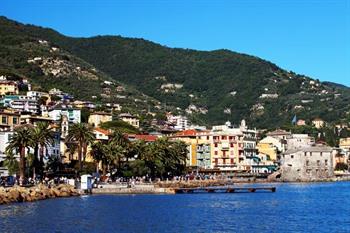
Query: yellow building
point(8, 87)
point(227, 150)
point(97, 118)
point(344, 143)
point(130, 119)
point(270, 146)
point(69, 155)
point(9, 119)
point(198, 146)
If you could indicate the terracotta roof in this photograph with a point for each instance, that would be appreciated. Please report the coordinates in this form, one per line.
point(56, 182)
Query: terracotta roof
point(146, 137)
point(189, 132)
point(278, 132)
point(103, 131)
point(101, 113)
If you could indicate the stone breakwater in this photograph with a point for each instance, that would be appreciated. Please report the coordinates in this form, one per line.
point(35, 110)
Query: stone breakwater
point(35, 193)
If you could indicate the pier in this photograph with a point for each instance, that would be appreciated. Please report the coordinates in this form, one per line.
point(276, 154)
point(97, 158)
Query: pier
point(225, 190)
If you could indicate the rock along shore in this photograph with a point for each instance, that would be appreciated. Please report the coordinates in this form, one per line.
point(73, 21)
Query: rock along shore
point(35, 193)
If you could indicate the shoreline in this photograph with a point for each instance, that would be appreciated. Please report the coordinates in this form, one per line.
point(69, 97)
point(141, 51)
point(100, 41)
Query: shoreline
point(18, 194)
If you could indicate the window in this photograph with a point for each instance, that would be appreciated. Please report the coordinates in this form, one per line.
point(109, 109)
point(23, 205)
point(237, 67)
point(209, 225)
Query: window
point(232, 161)
point(307, 162)
point(292, 156)
point(223, 137)
point(305, 153)
point(215, 153)
point(15, 121)
point(318, 162)
point(216, 161)
point(231, 144)
point(215, 145)
point(326, 162)
point(308, 171)
point(321, 154)
point(207, 137)
point(4, 120)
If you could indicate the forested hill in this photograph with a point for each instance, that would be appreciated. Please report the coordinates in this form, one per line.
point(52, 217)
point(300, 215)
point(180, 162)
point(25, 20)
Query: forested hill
point(213, 86)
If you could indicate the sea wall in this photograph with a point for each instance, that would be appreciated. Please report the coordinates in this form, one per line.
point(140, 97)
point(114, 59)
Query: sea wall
point(35, 193)
point(135, 190)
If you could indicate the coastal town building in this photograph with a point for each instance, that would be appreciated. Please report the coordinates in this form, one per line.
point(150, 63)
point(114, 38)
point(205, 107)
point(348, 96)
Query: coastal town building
point(73, 114)
point(178, 122)
point(54, 149)
point(318, 123)
point(25, 105)
point(130, 119)
point(9, 120)
point(101, 134)
point(344, 143)
point(5, 137)
point(96, 118)
point(143, 137)
point(233, 147)
point(301, 122)
point(271, 147)
point(299, 140)
point(8, 87)
point(198, 147)
point(37, 95)
point(307, 163)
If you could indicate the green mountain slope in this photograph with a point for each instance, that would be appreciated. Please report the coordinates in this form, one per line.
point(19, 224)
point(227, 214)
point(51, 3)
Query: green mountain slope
point(26, 54)
point(213, 86)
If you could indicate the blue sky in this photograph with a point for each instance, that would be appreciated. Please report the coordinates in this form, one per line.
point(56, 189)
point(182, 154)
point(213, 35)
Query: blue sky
point(310, 37)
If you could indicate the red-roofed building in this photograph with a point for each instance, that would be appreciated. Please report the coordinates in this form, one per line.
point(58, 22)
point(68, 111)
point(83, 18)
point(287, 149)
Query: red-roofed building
point(186, 133)
point(145, 137)
point(101, 134)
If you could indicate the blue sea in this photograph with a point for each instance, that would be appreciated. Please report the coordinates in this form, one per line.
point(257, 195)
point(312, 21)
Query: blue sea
point(315, 207)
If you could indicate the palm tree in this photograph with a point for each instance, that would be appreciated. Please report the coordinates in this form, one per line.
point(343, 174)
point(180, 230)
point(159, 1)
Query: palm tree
point(11, 163)
point(21, 140)
point(114, 154)
point(120, 146)
point(54, 163)
point(98, 153)
point(43, 137)
point(81, 134)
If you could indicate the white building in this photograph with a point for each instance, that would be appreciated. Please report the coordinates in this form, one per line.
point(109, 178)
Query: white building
point(179, 122)
point(36, 94)
point(73, 114)
point(101, 134)
point(299, 140)
point(5, 136)
point(24, 105)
